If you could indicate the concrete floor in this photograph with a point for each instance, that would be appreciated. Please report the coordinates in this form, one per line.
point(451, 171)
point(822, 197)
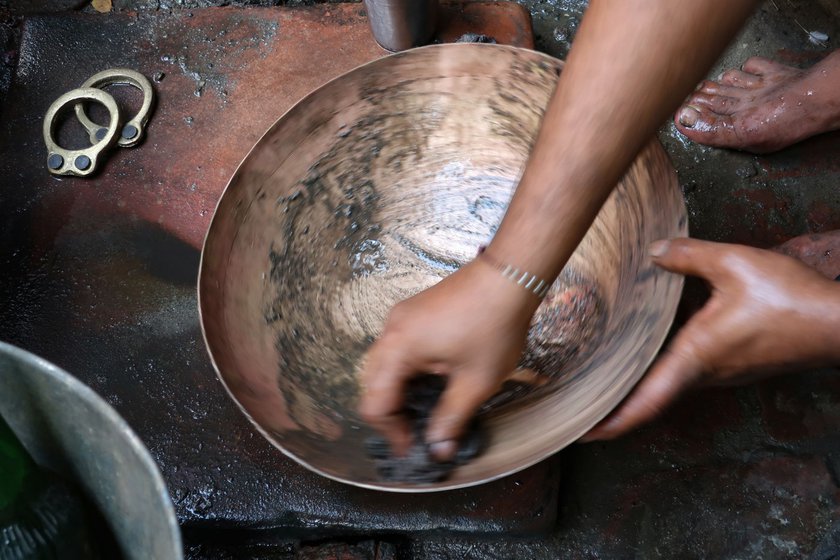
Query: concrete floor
point(745, 473)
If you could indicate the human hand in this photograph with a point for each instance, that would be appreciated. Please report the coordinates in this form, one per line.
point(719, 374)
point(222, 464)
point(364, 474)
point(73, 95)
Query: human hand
point(767, 313)
point(472, 327)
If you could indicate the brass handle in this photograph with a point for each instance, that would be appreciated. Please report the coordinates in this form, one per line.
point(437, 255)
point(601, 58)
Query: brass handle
point(80, 163)
point(132, 131)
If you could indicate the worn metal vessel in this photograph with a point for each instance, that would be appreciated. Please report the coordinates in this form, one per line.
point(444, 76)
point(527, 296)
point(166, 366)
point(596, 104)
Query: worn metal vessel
point(68, 428)
point(375, 187)
point(398, 25)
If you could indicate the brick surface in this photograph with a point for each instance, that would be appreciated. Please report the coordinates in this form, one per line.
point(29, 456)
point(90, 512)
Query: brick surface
point(768, 508)
point(802, 408)
point(368, 550)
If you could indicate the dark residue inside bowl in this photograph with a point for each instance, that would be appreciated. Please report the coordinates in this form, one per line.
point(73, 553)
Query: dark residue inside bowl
point(567, 327)
point(418, 466)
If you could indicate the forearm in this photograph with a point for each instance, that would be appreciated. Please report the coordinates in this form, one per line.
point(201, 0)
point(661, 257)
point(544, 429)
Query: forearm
point(631, 64)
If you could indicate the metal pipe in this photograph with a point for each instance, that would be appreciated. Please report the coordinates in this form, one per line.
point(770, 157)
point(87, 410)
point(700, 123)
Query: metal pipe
point(398, 25)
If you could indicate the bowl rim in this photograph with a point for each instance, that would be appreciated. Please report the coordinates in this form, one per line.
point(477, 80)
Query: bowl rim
point(443, 486)
point(85, 393)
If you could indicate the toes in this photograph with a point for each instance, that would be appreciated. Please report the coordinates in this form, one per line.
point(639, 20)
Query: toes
point(761, 66)
point(688, 116)
point(715, 88)
point(739, 78)
point(704, 126)
point(721, 104)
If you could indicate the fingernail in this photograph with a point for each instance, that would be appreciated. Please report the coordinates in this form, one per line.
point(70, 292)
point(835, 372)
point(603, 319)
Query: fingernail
point(443, 450)
point(438, 431)
point(658, 248)
point(688, 115)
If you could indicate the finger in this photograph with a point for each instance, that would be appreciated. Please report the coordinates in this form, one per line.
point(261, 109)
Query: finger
point(385, 371)
point(672, 375)
point(383, 390)
point(691, 257)
point(464, 394)
point(396, 428)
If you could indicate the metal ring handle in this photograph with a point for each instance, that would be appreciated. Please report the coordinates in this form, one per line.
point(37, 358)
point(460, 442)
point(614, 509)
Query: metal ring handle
point(80, 163)
point(132, 131)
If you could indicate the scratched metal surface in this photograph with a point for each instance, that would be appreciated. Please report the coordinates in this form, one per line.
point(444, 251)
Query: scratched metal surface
point(380, 184)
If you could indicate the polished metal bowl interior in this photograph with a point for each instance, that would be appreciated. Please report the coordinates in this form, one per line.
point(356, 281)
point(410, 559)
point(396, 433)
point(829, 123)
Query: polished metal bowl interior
point(376, 186)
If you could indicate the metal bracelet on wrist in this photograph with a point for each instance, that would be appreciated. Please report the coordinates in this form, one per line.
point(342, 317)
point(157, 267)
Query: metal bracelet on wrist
point(531, 282)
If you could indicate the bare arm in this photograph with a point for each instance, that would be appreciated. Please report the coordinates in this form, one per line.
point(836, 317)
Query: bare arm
point(632, 63)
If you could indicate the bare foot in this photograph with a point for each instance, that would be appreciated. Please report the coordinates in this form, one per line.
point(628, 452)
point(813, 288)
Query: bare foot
point(820, 251)
point(765, 106)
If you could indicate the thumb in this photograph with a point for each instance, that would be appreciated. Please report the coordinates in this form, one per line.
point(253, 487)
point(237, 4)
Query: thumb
point(464, 394)
point(691, 257)
point(673, 373)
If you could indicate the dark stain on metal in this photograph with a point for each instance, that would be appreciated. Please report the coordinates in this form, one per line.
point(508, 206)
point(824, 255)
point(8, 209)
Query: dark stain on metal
point(568, 328)
point(417, 465)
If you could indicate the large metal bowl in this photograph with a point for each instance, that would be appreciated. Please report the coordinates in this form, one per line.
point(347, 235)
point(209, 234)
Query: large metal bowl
point(67, 427)
point(376, 186)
